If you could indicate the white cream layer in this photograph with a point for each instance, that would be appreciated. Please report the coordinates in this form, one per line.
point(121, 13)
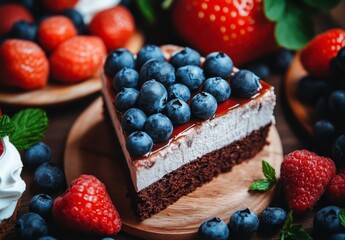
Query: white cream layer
point(210, 135)
point(88, 8)
point(11, 184)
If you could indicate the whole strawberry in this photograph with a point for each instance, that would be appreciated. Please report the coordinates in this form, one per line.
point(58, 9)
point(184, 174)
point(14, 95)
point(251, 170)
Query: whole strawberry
point(87, 207)
point(304, 177)
point(23, 64)
point(238, 28)
point(317, 55)
point(11, 13)
point(336, 189)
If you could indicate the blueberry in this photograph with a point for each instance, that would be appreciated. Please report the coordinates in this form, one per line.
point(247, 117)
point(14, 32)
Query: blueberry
point(281, 60)
point(178, 111)
point(338, 151)
point(311, 89)
point(107, 238)
point(324, 131)
point(47, 238)
point(339, 236)
point(272, 219)
point(49, 177)
point(180, 91)
point(327, 221)
point(218, 88)
point(42, 205)
point(203, 105)
point(152, 97)
point(322, 108)
point(243, 223)
point(213, 229)
point(160, 71)
point(24, 30)
point(139, 143)
point(191, 76)
point(341, 58)
point(262, 70)
point(338, 74)
point(133, 120)
point(245, 83)
point(159, 127)
point(126, 77)
point(186, 56)
point(126, 99)
point(77, 19)
point(337, 103)
point(31, 226)
point(218, 64)
point(147, 53)
point(118, 59)
point(38, 154)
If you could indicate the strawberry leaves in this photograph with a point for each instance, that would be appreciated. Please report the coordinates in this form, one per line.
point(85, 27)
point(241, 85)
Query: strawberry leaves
point(269, 181)
point(274, 9)
point(7, 127)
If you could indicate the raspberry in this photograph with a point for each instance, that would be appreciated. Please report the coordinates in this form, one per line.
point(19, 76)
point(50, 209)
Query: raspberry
point(336, 189)
point(304, 176)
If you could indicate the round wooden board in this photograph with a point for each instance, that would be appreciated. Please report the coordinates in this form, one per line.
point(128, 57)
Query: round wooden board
point(303, 113)
point(54, 93)
point(92, 148)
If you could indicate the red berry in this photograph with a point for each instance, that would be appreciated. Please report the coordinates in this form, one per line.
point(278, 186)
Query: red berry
point(77, 59)
point(12, 13)
point(114, 25)
point(87, 207)
point(23, 64)
point(304, 177)
point(55, 30)
point(336, 189)
point(54, 6)
point(317, 55)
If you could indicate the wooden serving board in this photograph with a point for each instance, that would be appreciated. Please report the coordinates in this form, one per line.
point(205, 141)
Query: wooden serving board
point(92, 148)
point(55, 93)
point(303, 113)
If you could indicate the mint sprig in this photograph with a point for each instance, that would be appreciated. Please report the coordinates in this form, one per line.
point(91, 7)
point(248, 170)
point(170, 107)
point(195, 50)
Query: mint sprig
point(269, 181)
point(342, 217)
point(293, 231)
point(7, 127)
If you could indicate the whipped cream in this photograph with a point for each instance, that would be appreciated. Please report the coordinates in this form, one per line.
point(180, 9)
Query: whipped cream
point(11, 184)
point(88, 8)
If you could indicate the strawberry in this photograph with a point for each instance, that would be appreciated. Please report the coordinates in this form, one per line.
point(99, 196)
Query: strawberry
point(77, 59)
point(87, 207)
point(23, 64)
point(318, 53)
point(304, 177)
point(12, 13)
point(54, 6)
point(54, 30)
point(336, 189)
point(114, 25)
point(238, 28)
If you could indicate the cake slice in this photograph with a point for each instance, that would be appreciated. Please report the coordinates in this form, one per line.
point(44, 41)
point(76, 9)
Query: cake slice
point(196, 151)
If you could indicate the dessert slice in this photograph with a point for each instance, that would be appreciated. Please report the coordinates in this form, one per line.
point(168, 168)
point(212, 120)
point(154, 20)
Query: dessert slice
point(172, 142)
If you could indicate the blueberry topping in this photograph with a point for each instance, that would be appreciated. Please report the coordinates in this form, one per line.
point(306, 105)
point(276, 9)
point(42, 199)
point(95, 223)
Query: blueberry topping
point(243, 223)
point(337, 103)
point(76, 18)
point(178, 111)
point(245, 83)
point(139, 143)
point(180, 91)
point(31, 226)
point(160, 71)
point(260, 69)
point(126, 78)
point(327, 221)
point(218, 88)
point(191, 76)
point(133, 120)
point(271, 220)
point(186, 56)
point(24, 30)
point(213, 229)
point(42, 205)
point(218, 64)
point(203, 105)
point(147, 53)
point(338, 151)
point(49, 178)
point(37, 154)
point(159, 127)
point(152, 97)
point(118, 59)
point(126, 99)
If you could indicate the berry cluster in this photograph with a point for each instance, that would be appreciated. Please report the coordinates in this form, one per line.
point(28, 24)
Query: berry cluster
point(154, 95)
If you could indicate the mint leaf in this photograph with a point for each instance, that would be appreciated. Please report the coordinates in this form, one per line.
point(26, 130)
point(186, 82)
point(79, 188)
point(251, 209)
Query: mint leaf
point(342, 217)
point(166, 4)
point(274, 9)
point(31, 125)
point(295, 29)
point(7, 127)
point(147, 10)
point(292, 231)
point(265, 184)
point(322, 4)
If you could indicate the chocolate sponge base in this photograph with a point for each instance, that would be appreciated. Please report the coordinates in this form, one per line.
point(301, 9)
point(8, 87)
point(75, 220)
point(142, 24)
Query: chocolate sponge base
point(187, 178)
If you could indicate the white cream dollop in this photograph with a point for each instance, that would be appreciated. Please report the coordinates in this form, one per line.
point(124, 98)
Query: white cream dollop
point(88, 8)
point(12, 185)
